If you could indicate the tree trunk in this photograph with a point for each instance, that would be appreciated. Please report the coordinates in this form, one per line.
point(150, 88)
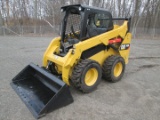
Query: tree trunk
point(1, 24)
point(35, 16)
point(7, 7)
point(156, 19)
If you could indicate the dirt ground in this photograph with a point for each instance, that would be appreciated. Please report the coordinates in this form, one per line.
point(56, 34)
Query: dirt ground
point(135, 97)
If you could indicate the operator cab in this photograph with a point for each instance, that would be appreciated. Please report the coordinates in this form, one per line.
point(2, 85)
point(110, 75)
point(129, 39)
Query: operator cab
point(82, 22)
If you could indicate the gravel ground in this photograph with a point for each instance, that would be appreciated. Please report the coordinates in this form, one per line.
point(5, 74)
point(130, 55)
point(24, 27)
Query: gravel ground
point(136, 97)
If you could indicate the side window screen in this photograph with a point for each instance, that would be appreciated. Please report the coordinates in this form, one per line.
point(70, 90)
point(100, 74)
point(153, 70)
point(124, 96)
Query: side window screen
point(101, 20)
point(98, 23)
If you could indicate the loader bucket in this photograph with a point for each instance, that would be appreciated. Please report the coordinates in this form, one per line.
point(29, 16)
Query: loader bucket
point(40, 90)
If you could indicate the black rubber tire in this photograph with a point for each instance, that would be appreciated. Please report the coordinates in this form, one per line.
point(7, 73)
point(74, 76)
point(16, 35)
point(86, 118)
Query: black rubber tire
point(108, 68)
point(79, 72)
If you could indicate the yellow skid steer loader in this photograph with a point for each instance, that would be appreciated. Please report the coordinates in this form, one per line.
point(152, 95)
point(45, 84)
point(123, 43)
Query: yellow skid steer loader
point(90, 47)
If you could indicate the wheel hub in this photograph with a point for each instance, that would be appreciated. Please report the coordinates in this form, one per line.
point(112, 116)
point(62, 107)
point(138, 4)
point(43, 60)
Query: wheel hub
point(118, 69)
point(91, 77)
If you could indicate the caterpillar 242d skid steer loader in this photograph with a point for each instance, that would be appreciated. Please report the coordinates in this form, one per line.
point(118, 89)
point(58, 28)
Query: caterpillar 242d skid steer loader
point(90, 47)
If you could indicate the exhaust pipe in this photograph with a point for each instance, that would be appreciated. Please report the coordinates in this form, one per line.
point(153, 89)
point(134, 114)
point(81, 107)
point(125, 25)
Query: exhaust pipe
point(41, 91)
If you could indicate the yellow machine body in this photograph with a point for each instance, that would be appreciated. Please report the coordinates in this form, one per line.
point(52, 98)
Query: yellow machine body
point(64, 65)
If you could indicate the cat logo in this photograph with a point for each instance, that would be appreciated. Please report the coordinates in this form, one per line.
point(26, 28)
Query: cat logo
point(124, 46)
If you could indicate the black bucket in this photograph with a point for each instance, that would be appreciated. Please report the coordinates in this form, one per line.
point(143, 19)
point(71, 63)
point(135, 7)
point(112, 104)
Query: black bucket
point(41, 91)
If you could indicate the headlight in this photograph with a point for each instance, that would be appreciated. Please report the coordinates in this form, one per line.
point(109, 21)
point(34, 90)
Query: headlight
point(61, 10)
point(80, 8)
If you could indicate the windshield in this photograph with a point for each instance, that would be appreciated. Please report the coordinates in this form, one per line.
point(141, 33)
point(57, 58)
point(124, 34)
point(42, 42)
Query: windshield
point(71, 24)
point(73, 20)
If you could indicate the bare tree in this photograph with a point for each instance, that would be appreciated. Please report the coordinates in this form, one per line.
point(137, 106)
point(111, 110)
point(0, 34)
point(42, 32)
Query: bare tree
point(35, 16)
point(1, 24)
point(156, 17)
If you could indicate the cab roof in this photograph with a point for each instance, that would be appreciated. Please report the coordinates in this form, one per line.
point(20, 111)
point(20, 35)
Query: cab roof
point(83, 7)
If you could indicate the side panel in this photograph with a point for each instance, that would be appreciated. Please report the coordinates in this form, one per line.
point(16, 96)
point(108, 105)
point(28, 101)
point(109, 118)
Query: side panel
point(124, 48)
point(101, 56)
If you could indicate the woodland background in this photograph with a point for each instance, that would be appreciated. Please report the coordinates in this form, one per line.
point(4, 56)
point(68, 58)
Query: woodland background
point(42, 17)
